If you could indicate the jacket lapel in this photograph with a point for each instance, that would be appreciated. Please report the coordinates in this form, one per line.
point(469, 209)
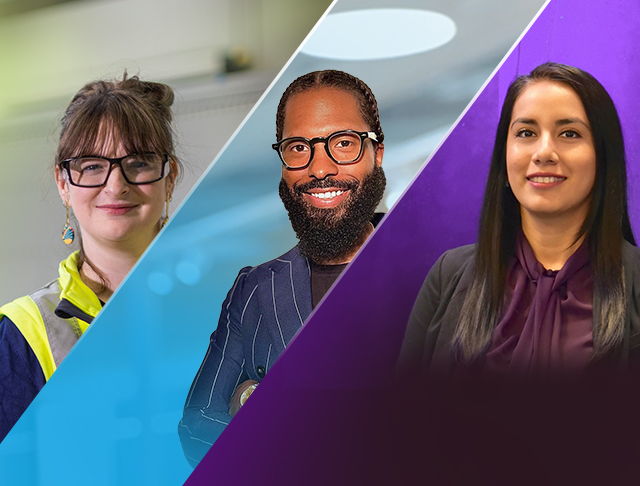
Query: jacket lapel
point(285, 298)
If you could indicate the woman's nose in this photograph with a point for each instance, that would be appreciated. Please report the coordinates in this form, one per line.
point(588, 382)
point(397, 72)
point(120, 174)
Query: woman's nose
point(545, 150)
point(116, 183)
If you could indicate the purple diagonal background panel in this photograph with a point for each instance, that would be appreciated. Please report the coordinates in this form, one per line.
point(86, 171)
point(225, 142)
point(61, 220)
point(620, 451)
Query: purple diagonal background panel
point(324, 410)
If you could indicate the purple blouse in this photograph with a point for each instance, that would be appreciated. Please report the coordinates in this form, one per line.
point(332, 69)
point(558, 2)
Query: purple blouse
point(546, 327)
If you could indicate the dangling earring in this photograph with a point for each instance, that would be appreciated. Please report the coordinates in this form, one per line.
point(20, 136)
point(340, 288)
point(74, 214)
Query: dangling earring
point(166, 217)
point(68, 235)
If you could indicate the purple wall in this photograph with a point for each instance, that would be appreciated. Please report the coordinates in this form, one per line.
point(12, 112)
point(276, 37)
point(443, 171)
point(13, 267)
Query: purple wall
point(316, 416)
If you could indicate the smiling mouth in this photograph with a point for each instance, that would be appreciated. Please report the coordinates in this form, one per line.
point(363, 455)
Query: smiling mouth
point(546, 179)
point(326, 198)
point(117, 209)
point(327, 194)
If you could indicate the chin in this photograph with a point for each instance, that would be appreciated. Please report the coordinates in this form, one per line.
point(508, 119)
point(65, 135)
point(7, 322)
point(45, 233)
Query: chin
point(121, 232)
point(549, 211)
point(338, 210)
point(327, 215)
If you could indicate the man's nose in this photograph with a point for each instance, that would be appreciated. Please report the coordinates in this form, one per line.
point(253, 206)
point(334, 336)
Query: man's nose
point(321, 165)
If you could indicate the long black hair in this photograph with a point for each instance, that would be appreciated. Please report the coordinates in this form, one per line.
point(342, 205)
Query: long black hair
point(605, 226)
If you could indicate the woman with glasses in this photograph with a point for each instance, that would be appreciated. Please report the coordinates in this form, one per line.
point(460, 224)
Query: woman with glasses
point(115, 169)
point(553, 284)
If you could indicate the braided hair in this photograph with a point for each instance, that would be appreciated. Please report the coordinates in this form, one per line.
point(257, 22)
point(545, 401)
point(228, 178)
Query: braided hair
point(339, 80)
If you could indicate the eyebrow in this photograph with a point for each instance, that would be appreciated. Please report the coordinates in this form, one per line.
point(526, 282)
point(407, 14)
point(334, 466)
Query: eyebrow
point(561, 122)
point(569, 121)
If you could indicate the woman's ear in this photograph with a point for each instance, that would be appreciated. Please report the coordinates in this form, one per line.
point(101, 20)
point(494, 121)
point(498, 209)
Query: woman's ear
point(63, 184)
point(172, 176)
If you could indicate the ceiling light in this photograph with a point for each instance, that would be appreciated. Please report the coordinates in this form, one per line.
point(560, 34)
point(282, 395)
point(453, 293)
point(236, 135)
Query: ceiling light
point(381, 33)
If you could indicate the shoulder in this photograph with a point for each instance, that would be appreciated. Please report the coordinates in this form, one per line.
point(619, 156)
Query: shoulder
point(24, 309)
point(251, 277)
point(631, 256)
point(631, 263)
point(68, 269)
point(450, 274)
point(454, 263)
point(292, 259)
point(460, 256)
point(9, 334)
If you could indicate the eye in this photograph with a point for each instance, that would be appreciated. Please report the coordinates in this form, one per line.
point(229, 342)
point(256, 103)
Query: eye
point(344, 143)
point(88, 165)
point(297, 148)
point(138, 164)
point(524, 133)
point(142, 162)
point(570, 134)
point(91, 168)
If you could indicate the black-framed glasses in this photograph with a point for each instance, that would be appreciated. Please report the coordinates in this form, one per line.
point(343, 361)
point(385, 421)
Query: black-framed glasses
point(137, 169)
point(343, 147)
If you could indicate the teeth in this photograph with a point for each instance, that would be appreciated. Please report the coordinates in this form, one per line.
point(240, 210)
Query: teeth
point(326, 195)
point(546, 180)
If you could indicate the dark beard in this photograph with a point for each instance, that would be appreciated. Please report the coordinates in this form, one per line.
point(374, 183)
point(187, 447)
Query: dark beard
point(332, 234)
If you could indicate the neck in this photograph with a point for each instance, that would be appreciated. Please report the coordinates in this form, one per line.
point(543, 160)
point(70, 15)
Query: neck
point(553, 240)
point(114, 260)
point(349, 256)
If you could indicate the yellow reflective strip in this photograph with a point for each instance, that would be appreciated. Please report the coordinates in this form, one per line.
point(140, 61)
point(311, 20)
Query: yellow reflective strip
point(24, 313)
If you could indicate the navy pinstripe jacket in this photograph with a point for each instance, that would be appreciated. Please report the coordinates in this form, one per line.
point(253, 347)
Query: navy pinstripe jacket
point(264, 309)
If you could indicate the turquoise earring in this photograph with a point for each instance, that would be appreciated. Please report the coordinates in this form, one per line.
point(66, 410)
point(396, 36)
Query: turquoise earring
point(68, 235)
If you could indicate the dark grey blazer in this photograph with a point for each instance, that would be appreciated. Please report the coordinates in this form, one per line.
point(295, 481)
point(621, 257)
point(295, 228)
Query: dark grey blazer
point(435, 314)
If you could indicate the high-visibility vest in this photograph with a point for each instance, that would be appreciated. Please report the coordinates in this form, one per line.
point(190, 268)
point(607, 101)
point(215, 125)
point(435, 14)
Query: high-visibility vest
point(51, 329)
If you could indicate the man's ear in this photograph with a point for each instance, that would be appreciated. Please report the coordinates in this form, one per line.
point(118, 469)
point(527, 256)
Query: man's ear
point(379, 154)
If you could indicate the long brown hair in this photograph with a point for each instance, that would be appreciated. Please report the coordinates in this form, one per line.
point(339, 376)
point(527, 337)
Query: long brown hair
point(605, 226)
point(134, 112)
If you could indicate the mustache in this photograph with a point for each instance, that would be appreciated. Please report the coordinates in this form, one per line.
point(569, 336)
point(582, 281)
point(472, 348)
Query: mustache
point(329, 182)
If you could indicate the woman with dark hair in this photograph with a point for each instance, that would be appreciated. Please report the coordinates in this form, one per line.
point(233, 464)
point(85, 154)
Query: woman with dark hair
point(553, 284)
point(115, 168)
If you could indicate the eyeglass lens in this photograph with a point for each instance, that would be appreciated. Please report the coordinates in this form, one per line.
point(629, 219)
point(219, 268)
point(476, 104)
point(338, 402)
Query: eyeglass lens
point(343, 147)
point(94, 171)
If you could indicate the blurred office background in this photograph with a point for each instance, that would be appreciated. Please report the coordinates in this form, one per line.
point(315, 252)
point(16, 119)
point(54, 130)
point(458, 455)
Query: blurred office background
point(219, 56)
point(129, 376)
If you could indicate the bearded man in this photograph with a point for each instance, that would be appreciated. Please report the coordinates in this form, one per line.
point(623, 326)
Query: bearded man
point(330, 143)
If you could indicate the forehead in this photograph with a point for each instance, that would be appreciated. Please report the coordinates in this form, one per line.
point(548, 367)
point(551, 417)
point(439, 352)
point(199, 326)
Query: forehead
point(108, 142)
point(93, 137)
point(548, 99)
point(321, 111)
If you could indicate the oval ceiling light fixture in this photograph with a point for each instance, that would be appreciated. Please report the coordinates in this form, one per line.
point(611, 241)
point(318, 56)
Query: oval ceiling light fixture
point(380, 33)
